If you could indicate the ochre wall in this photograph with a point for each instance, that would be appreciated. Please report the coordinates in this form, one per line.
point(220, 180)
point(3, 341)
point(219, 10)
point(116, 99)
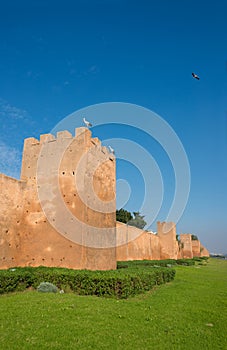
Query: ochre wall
point(191, 248)
point(186, 242)
point(136, 244)
point(11, 204)
point(28, 236)
point(203, 251)
point(62, 212)
point(196, 248)
point(166, 232)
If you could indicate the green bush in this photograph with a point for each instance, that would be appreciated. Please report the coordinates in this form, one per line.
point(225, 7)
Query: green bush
point(185, 262)
point(155, 263)
point(14, 280)
point(201, 258)
point(145, 263)
point(158, 263)
point(120, 283)
point(47, 287)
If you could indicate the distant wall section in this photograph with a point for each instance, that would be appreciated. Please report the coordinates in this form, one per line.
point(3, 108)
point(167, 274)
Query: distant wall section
point(136, 244)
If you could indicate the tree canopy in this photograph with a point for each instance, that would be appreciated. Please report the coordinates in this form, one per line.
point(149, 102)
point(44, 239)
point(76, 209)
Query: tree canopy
point(126, 217)
point(194, 238)
point(123, 215)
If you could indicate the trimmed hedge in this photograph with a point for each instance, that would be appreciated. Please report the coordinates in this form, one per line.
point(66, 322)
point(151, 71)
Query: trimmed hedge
point(120, 283)
point(145, 263)
point(159, 263)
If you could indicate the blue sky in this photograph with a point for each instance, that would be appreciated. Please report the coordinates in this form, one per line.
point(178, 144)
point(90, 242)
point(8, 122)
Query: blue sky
point(58, 57)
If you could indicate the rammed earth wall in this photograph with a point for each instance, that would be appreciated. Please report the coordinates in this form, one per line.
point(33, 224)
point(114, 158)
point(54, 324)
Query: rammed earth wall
point(62, 211)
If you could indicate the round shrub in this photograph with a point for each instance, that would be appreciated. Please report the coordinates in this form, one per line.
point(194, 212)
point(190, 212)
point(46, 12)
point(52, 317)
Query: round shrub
point(47, 287)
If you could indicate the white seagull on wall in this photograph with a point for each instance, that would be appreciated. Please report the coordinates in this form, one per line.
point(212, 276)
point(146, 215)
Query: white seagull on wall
point(87, 123)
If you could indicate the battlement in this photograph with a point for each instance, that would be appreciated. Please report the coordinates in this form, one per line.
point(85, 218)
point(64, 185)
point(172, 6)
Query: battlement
point(65, 134)
point(50, 146)
point(164, 228)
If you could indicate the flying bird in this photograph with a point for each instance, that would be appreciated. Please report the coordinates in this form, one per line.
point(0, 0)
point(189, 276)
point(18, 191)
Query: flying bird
point(111, 150)
point(195, 76)
point(87, 123)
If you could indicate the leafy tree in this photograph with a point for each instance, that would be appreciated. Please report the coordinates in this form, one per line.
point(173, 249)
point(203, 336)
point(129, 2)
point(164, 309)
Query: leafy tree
point(123, 215)
point(194, 238)
point(138, 220)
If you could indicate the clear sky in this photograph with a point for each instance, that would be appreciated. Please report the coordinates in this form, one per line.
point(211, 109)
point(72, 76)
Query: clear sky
point(57, 57)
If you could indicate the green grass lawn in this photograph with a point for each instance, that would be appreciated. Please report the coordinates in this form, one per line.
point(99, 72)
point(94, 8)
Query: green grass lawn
point(188, 313)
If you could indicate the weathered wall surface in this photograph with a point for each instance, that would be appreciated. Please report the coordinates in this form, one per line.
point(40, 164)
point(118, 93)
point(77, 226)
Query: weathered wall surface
point(191, 248)
point(204, 251)
point(50, 219)
point(166, 232)
point(11, 203)
point(186, 242)
point(136, 244)
point(196, 248)
point(63, 211)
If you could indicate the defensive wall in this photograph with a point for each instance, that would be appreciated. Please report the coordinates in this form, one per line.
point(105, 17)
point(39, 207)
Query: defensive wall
point(29, 217)
point(62, 211)
point(136, 244)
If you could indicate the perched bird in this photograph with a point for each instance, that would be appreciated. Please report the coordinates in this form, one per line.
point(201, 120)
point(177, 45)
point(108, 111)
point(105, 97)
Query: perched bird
point(111, 150)
point(195, 76)
point(87, 123)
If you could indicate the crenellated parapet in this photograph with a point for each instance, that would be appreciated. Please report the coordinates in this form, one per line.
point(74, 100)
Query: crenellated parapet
point(54, 146)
